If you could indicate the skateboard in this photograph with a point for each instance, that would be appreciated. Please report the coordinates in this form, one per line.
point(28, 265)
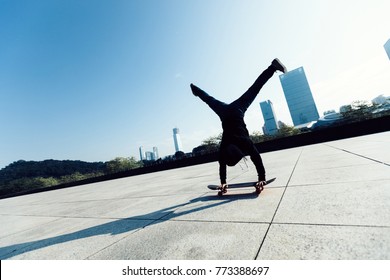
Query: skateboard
point(239, 185)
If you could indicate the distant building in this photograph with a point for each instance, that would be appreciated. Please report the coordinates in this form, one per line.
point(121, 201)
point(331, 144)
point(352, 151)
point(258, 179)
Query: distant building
point(328, 120)
point(387, 48)
point(149, 156)
point(329, 112)
point(177, 140)
point(270, 122)
point(299, 97)
point(155, 153)
point(141, 153)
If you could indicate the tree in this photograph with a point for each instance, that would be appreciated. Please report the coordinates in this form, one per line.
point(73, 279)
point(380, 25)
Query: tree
point(258, 137)
point(286, 130)
point(212, 143)
point(357, 111)
point(122, 164)
point(180, 155)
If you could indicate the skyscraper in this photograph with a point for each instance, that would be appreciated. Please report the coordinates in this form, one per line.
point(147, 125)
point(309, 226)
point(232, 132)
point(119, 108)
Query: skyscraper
point(149, 156)
point(387, 48)
point(141, 153)
point(155, 153)
point(270, 122)
point(299, 97)
point(176, 140)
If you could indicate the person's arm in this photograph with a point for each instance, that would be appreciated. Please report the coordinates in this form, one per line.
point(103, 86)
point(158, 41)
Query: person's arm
point(222, 172)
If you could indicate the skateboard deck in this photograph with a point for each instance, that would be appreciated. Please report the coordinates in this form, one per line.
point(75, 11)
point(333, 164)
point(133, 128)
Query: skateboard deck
point(238, 185)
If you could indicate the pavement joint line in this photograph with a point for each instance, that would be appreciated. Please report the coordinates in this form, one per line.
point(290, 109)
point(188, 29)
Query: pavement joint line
point(25, 230)
point(106, 199)
point(342, 166)
point(372, 159)
point(82, 217)
point(280, 201)
point(119, 240)
point(216, 221)
point(335, 183)
point(330, 225)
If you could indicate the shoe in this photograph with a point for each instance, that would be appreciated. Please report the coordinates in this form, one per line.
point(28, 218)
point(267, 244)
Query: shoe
point(194, 89)
point(278, 65)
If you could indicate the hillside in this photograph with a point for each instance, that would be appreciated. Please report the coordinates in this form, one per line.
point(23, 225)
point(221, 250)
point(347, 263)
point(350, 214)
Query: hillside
point(24, 175)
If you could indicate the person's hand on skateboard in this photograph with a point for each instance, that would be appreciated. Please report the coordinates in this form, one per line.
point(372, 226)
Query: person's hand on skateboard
point(223, 188)
point(260, 186)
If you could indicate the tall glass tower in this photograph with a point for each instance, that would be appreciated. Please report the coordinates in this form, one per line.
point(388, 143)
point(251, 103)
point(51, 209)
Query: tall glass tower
point(155, 153)
point(270, 122)
point(141, 153)
point(177, 140)
point(299, 97)
point(387, 48)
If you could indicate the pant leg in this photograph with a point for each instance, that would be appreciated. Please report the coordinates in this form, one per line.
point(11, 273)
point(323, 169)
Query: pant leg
point(249, 96)
point(217, 106)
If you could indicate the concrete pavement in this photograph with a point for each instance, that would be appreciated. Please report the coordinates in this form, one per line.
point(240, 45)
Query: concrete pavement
point(329, 201)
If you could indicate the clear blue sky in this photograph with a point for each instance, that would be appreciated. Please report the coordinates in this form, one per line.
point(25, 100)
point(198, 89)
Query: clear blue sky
point(95, 79)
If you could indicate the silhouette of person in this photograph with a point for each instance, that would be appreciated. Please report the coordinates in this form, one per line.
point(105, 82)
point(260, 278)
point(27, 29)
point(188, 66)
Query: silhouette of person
point(236, 142)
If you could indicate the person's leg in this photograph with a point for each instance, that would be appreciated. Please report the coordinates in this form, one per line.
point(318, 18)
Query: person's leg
point(244, 101)
point(217, 106)
point(249, 96)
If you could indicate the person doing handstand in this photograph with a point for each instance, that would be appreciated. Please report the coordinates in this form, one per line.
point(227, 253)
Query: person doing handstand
point(236, 143)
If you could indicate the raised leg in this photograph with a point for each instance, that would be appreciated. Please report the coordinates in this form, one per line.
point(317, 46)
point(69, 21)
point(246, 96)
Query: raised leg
point(217, 106)
point(245, 100)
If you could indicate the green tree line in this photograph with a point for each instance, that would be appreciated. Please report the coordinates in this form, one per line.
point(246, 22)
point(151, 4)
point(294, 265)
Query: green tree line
point(27, 175)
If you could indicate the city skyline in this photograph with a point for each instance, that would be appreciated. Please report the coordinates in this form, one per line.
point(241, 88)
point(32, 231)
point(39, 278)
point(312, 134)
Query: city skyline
point(148, 155)
point(95, 80)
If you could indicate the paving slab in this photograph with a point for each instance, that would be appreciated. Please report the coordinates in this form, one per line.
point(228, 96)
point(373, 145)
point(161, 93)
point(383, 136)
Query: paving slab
point(189, 240)
point(352, 174)
point(242, 205)
point(359, 203)
point(12, 224)
point(68, 238)
point(374, 146)
point(319, 242)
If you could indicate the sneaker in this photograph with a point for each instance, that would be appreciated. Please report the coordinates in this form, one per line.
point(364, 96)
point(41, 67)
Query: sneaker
point(278, 65)
point(194, 89)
